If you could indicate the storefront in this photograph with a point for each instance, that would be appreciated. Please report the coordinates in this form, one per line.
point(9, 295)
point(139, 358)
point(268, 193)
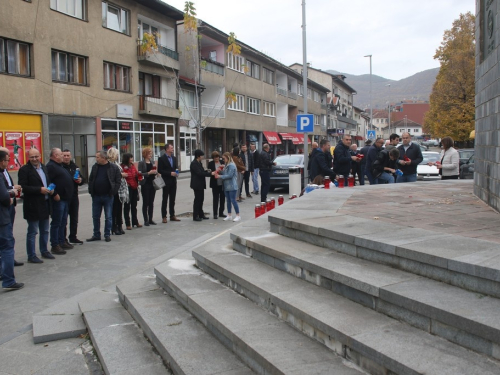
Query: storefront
point(132, 136)
point(20, 133)
point(187, 143)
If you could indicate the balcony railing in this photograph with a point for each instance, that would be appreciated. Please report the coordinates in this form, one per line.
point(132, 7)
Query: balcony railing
point(190, 113)
point(161, 49)
point(281, 91)
point(323, 106)
point(208, 110)
point(170, 103)
point(213, 66)
point(292, 95)
point(282, 121)
point(292, 123)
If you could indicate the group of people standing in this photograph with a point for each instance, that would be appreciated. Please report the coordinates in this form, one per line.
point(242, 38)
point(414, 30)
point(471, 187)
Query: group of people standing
point(380, 165)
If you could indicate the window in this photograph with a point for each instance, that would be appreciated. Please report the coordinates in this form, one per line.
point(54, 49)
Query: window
point(309, 93)
point(74, 8)
point(69, 68)
point(301, 89)
point(149, 85)
point(268, 76)
point(253, 106)
point(239, 104)
point(316, 120)
point(415, 130)
point(14, 57)
point(316, 96)
point(115, 18)
point(269, 109)
point(116, 77)
point(253, 70)
point(235, 62)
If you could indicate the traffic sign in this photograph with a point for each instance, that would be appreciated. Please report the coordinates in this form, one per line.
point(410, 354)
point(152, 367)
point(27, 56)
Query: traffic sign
point(371, 134)
point(305, 123)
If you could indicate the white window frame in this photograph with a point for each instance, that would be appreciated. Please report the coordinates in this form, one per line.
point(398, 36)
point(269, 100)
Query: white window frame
point(316, 96)
point(266, 73)
point(235, 62)
point(416, 130)
point(300, 89)
point(11, 62)
point(317, 120)
point(72, 8)
point(309, 93)
point(269, 109)
point(123, 18)
point(253, 69)
point(117, 76)
point(238, 105)
point(71, 68)
point(253, 106)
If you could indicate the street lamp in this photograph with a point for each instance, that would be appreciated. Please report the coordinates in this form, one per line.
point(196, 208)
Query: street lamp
point(389, 113)
point(371, 107)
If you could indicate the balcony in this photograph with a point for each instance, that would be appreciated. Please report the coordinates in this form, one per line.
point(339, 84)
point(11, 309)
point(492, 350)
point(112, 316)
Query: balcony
point(346, 121)
point(163, 56)
point(162, 107)
point(292, 124)
point(282, 121)
point(212, 66)
point(292, 95)
point(323, 106)
point(281, 91)
point(189, 113)
point(213, 111)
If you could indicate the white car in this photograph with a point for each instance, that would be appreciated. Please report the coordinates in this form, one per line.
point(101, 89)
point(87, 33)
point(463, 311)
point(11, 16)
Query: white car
point(426, 172)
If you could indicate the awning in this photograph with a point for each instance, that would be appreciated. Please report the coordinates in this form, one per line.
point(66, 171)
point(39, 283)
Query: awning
point(358, 138)
point(272, 138)
point(298, 139)
point(286, 136)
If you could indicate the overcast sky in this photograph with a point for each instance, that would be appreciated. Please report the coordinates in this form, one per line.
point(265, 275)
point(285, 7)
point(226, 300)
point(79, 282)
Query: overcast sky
point(402, 35)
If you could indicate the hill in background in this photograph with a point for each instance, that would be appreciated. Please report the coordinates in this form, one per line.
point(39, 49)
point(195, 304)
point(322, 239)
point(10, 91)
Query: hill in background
point(416, 87)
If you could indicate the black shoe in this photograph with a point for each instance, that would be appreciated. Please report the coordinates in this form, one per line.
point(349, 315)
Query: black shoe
point(205, 217)
point(15, 286)
point(249, 196)
point(107, 239)
point(146, 224)
point(255, 192)
point(120, 229)
point(93, 239)
point(197, 219)
point(48, 255)
point(35, 259)
point(222, 215)
point(18, 264)
point(58, 250)
point(66, 246)
point(152, 222)
point(76, 241)
point(215, 217)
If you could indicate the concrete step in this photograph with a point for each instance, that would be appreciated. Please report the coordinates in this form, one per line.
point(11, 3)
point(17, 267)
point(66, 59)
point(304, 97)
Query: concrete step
point(377, 343)
point(468, 263)
point(461, 316)
point(264, 343)
point(120, 345)
point(182, 341)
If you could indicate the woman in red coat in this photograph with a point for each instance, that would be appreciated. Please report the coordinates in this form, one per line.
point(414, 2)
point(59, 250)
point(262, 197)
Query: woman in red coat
point(133, 191)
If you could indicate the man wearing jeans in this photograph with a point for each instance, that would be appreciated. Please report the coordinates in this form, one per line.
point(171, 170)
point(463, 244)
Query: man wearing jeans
point(6, 235)
point(37, 206)
point(410, 156)
point(60, 208)
point(104, 182)
point(255, 173)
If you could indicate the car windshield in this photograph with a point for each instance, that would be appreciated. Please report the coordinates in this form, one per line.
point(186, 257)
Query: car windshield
point(465, 154)
point(289, 159)
point(429, 157)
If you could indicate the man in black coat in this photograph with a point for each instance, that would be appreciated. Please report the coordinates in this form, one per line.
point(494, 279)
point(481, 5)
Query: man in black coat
point(167, 167)
point(265, 166)
point(247, 159)
point(104, 182)
point(342, 158)
point(362, 166)
point(74, 204)
point(321, 161)
point(410, 156)
point(199, 184)
point(370, 158)
point(60, 208)
point(37, 205)
point(255, 174)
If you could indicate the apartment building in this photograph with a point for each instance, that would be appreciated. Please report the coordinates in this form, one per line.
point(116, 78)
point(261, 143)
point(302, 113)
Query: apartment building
point(362, 119)
point(339, 104)
point(268, 95)
point(74, 75)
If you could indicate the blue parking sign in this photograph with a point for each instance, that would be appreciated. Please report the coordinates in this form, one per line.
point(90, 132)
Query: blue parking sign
point(305, 123)
point(371, 134)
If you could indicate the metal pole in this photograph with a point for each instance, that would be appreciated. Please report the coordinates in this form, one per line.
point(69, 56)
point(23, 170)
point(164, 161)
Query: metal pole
point(371, 106)
point(304, 85)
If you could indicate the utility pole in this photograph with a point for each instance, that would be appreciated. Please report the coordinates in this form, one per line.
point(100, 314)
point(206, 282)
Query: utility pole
point(304, 87)
point(371, 106)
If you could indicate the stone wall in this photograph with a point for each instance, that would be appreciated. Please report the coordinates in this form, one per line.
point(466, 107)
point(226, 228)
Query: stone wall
point(487, 143)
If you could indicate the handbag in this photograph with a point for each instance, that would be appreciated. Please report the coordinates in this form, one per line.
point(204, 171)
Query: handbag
point(123, 192)
point(158, 183)
point(220, 182)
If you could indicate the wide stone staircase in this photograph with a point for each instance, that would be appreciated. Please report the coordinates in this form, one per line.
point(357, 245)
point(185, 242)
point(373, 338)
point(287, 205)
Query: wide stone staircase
point(305, 290)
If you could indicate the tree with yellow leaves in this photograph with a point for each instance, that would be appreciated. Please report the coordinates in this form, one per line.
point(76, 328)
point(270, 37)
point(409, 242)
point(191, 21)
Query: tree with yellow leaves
point(452, 101)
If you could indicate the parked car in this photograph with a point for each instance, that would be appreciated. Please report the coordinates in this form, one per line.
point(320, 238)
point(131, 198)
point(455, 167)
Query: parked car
point(431, 143)
point(465, 154)
point(428, 172)
point(467, 169)
point(422, 147)
point(279, 172)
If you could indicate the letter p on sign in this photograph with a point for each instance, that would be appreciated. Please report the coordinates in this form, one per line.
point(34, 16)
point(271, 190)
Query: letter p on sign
point(305, 123)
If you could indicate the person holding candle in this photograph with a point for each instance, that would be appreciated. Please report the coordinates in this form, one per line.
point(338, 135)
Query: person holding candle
point(450, 160)
point(219, 198)
point(133, 191)
point(230, 177)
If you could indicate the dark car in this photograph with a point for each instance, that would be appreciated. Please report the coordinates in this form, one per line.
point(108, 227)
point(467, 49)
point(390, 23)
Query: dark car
point(467, 169)
point(279, 172)
point(465, 154)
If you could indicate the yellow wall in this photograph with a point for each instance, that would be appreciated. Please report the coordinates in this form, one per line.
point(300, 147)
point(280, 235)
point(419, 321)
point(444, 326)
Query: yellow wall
point(20, 122)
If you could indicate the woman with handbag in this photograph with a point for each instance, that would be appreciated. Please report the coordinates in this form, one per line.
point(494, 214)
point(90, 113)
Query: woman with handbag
point(219, 199)
point(133, 191)
point(148, 171)
point(120, 197)
point(230, 177)
point(240, 166)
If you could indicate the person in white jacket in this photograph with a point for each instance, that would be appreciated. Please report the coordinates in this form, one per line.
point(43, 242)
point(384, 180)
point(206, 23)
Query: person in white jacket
point(449, 164)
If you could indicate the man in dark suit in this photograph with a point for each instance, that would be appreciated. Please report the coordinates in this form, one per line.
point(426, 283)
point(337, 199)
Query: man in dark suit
point(247, 158)
point(167, 167)
point(12, 208)
point(37, 207)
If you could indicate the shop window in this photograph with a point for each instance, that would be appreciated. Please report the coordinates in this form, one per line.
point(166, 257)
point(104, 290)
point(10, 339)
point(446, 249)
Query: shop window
point(109, 140)
point(115, 18)
point(108, 125)
point(170, 130)
point(69, 68)
point(74, 8)
point(159, 128)
point(146, 127)
point(116, 77)
point(14, 57)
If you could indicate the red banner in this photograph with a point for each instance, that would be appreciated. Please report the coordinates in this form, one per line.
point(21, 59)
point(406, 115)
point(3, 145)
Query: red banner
point(14, 142)
point(33, 140)
point(1, 139)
